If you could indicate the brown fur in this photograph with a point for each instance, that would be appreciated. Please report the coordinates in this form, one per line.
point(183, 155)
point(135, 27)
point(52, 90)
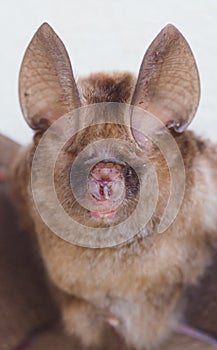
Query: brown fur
point(26, 301)
point(175, 259)
point(136, 289)
point(101, 87)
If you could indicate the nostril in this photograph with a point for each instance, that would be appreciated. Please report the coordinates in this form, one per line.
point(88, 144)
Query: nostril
point(106, 189)
point(101, 190)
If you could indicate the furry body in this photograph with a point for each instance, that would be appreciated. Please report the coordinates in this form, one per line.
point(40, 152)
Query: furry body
point(136, 288)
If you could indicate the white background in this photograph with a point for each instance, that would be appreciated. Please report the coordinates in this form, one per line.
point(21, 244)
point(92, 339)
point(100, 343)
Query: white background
point(106, 35)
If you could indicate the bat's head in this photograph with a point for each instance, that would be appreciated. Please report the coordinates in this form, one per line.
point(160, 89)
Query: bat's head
point(103, 128)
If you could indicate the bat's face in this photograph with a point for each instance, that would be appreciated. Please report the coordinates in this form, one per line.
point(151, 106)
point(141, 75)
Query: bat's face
point(102, 178)
point(100, 185)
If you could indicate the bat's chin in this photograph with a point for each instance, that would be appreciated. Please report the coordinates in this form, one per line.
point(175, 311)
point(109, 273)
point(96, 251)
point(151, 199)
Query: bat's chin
point(105, 211)
point(108, 214)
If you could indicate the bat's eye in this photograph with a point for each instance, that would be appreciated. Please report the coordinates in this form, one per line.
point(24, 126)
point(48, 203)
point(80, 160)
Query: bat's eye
point(129, 172)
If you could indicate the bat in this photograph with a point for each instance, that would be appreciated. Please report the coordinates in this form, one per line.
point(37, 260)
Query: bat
point(120, 196)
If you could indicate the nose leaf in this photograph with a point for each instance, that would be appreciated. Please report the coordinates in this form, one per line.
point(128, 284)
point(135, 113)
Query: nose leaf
point(106, 182)
point(101, 190)
point(104, 190)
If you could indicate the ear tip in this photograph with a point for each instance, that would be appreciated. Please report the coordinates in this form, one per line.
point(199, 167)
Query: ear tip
point(170, 25)
point(45, 28)
point(171, 28)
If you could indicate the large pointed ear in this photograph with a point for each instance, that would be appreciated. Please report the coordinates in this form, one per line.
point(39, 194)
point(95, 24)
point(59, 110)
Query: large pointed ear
point(168, 84)
point(47, 88)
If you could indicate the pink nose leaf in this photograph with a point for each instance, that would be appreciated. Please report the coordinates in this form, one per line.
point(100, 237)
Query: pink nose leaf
point(105, 190)
point(106, 182)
